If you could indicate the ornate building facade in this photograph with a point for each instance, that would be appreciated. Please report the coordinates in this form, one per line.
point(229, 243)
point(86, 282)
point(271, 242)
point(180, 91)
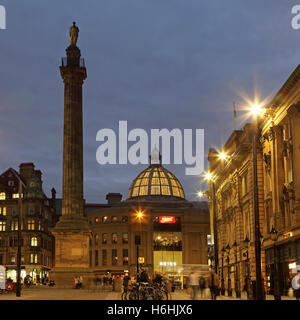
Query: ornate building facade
point(37, 216)
point(278, 176)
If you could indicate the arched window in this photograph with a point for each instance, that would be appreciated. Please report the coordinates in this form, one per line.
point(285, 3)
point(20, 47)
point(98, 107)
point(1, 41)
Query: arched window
point(34, 242)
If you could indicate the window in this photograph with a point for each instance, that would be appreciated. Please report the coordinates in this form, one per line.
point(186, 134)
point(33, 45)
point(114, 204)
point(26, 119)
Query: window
point(125, 237)
point(15, 196)
point(11, 183)
point(2, 244)
point(1, 259)
point(104, 257)
point(2, 225)
point(96, 220)
point(244, 185)
point(114, 219)
point(96, 257)
point(30, 225)
point(114, 257)
point(105, 219)
point(3, 211)
point(14, 212)
point(33, 258)
point(14, 225)
point(31, 211)
point(125, 257)
point(13, 259)
point(104, 238)
point(2, 196)
point(34, 242)
point(124, 219)
point(114, 238)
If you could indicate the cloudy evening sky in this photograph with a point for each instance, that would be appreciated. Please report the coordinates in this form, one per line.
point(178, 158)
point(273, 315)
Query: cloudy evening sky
point(156, 63)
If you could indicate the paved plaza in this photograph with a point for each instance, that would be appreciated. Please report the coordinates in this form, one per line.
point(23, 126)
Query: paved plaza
point(47, 293)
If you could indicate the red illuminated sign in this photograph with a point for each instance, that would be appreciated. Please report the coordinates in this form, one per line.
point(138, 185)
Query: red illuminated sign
point(166, 219)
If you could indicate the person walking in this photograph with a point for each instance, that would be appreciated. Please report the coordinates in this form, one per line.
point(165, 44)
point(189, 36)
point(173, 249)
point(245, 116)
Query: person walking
point(194, 283)
point(213, 283)
point(296, 285)
point(202, 286)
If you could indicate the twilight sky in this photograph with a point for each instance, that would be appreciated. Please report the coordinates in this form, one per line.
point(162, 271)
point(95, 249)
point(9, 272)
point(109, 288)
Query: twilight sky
point(155, 63)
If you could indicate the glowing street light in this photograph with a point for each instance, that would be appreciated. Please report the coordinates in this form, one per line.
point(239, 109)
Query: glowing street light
point(208, 176)
point(223, 156)
point(256, 109)
point(139, 214)
point(200, 194)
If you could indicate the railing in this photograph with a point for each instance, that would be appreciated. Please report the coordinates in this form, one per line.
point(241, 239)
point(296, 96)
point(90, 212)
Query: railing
point(65, 62)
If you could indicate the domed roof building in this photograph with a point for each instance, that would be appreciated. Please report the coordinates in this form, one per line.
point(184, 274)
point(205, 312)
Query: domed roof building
point(156, 183)
point(171, 232)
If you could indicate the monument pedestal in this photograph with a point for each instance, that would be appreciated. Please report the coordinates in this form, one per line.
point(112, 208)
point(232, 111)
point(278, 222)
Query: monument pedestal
point(71, 252)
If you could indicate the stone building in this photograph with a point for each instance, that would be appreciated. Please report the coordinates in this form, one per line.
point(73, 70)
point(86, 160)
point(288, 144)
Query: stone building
point(37, 216)
point(172, 231)
point(233, 182)
point(281, 167)
point(278, 174)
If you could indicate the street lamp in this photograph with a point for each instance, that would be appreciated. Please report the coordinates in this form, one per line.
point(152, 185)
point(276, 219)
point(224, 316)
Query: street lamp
point(222, 274)
point(256, 109)
point(210, 178)
point(19, 260)
point(236, 275)
point(229, 290)
point(247, 245)
point(139, 215)
point(276, 289)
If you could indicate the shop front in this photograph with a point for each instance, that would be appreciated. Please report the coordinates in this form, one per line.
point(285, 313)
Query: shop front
point(288, 258)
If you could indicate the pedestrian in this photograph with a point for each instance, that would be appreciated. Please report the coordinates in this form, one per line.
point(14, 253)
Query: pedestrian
point(202, 286)
point(296, 285)
point(213, 283)
point(126, 282)
point(76, 282)
point(194, 283)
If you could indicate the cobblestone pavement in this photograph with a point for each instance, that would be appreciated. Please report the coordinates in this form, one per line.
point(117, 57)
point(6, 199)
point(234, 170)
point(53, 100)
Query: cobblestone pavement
point(46, 293)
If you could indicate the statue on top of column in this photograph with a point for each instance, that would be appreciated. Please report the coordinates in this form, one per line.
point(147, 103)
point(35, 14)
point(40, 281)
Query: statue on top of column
point(73, 34)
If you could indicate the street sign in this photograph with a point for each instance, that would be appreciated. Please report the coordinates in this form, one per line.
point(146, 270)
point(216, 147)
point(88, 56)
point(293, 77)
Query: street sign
point(2, 277)
point(141, 259)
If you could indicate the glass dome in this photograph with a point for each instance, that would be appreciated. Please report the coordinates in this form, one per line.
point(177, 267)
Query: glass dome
point(156, 182)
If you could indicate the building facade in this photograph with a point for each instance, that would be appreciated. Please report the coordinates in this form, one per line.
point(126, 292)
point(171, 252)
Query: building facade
point(155, 224)
point(37, 216)
point(278, 182)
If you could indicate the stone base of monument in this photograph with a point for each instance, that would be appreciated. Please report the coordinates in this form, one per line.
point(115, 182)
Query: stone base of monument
point(71, 258)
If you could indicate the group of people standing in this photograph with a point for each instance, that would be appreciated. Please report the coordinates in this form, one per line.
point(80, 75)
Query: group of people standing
point(199, 284)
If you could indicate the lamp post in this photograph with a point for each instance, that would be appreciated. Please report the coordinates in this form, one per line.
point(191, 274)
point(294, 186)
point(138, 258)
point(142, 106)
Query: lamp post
point(18, 285)
point(222, 274)
point(236, 275)
point(247, 245)
point(259, 288)
point(229, 290)
point(209, 178)
point(276, 289)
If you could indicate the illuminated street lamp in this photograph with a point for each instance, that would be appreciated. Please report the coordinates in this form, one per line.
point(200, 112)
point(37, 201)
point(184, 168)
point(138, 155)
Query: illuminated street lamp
point(256, 110)
point(200, 194)
point(210, 178)
point(276, 289)
point(222, 156)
